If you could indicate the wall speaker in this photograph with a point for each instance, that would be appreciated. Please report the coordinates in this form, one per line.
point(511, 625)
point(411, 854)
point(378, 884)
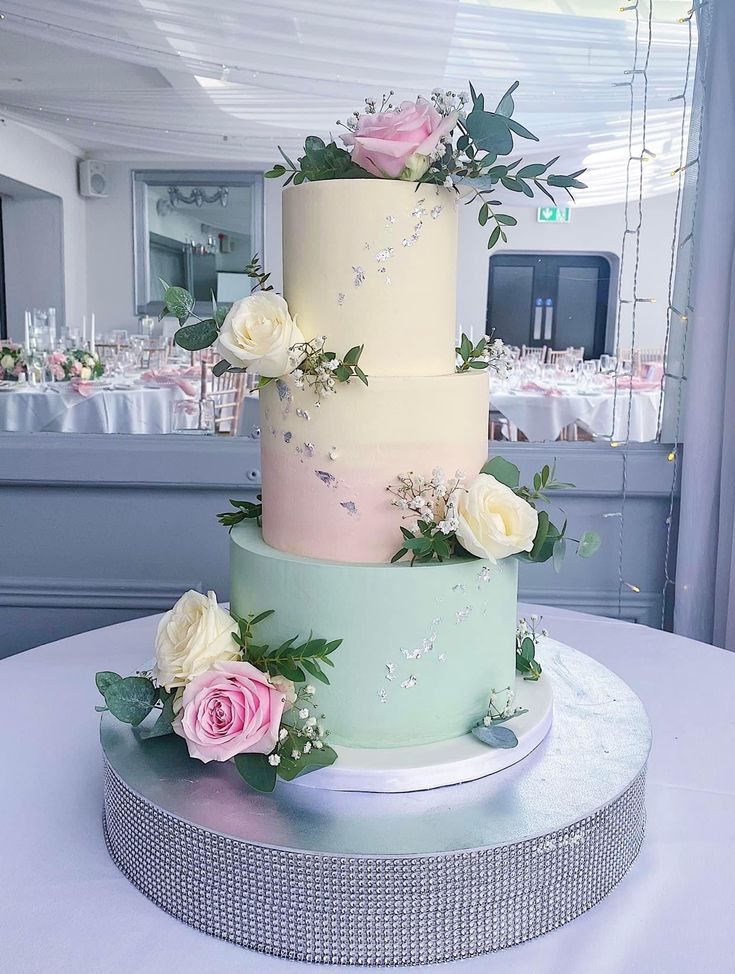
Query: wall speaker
point(92, 179)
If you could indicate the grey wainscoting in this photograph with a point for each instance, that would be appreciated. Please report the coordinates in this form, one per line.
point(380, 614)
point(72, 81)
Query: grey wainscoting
point(99, 529)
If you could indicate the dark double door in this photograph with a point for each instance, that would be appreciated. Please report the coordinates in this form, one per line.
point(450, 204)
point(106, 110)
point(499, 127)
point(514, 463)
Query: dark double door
point(549, 299)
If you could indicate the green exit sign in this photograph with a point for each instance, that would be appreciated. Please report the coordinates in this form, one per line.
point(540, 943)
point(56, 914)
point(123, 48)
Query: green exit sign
point(554, 214)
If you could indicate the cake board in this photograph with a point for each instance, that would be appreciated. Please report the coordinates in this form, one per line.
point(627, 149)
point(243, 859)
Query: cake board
point(391, 879)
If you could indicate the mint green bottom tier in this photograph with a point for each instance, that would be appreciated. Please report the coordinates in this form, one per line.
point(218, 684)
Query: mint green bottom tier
point(422, 647)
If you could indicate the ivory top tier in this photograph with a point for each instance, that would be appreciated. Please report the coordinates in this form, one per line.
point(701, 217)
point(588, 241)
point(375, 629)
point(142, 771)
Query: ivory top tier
point(373, 262)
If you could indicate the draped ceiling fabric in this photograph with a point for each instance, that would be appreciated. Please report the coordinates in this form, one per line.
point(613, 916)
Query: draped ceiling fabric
point(240, 77)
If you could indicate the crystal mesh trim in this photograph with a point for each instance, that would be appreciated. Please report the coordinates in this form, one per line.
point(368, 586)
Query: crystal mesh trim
point(392, 911)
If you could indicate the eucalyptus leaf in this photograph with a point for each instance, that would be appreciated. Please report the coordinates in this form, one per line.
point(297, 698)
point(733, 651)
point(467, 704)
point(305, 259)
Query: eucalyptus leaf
point(589, 543)
point(496, 736)
point(219, 368)
point(178, 301)
point(560, 548)
point(131, 699)
point(163, 724)
point(256, 770)
point(104, 679)
point(196, 336)
point(313, 760)
point(489, 132)
point(541, 533)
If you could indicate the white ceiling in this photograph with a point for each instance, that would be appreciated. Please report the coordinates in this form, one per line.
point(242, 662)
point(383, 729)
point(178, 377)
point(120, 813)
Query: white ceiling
point(235, 78)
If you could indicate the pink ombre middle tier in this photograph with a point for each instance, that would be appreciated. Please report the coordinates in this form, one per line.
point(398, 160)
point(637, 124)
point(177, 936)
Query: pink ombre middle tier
point(325, 469)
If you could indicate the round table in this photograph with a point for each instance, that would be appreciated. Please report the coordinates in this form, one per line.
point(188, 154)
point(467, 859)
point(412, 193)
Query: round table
point(64, 907)
point(57, 408)
point(541, 416)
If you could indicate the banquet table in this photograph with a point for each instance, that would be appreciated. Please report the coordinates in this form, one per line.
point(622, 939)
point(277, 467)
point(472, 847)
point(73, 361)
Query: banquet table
point(543, 416)
point(57, 408)
point(65, 908)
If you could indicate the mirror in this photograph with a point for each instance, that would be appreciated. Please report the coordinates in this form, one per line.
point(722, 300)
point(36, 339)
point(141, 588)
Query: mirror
point(195, 229)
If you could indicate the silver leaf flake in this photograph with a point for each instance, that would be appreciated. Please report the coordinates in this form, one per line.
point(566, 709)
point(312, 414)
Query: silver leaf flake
point(419, 210)
point(287, 437)
point(413, 654)
point(382, 270)
point(458, 588)
point(284, 393)
point(389, 221)
point(333, 454)
point(302, 414)
point(382, 696)
point(340, 299)
point(309, 449)
point(442, 657)
point(485, 574)
point(436, 622)
point(350, 507)
point(463, 614)
point(390, 667)
point(366, 246)
point(326, 478)
point(410, 682)
point(359, 276)
point(435, 211)
point(385, 254)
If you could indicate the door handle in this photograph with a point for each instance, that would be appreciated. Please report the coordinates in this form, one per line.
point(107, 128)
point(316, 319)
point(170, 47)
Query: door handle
point(548, 319)
point(537, 320)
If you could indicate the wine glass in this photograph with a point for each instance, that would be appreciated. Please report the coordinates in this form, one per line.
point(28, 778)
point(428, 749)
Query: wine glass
point(193, 416)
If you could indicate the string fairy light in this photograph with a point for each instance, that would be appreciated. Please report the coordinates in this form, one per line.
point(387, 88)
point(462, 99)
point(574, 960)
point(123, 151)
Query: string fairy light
point(639, 76)
point(699, 14)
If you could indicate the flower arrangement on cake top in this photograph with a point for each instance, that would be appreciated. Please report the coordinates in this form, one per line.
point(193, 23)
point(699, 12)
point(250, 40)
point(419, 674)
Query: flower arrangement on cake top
point(450, 139)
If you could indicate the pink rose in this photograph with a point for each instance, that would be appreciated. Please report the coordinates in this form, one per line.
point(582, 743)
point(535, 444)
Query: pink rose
point(231, 709)
point(77, 367)
point(384, 142)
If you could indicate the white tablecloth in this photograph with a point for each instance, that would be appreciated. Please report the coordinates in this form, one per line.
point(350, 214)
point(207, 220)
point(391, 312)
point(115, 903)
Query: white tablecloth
point(543, 417)
point(58, 409)
point(65, 908)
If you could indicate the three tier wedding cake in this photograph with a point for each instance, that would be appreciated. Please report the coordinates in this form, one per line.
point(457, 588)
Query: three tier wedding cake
point(381, 560)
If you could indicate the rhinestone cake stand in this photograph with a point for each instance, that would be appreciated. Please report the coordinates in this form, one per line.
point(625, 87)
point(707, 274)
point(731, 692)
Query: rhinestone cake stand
point(391, 879)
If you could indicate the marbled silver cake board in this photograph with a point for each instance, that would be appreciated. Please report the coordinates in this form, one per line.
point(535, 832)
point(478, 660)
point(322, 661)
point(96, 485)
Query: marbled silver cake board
point(391, 879)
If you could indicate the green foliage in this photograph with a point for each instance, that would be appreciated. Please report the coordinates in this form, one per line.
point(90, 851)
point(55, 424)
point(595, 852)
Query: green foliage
point(200, 334)
point(244, 511)
point(164, 721)
point(295, 661)
point(526, 662)
point(290, 768)
point(496, 735)
point(256, 770)
point(472, 356)
point(504, 471)
point(254, 270)
point(320, 369)
point(129, 698)
point(320, 161)
point(177, 301)
point(428, 544)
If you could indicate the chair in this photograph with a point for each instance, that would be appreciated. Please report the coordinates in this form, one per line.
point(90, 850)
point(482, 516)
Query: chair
point(532, 352)
point(557, 356)
point(226, 391)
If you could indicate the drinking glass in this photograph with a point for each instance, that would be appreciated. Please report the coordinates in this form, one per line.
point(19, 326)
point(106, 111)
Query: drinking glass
point(193, 416)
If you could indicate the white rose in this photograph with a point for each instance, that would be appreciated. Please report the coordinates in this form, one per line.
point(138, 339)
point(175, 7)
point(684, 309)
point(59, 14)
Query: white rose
point(191, 638)
point(7, 362)
point(85, 373)
point(258, 333)
point(493, 521)
point(89, 360)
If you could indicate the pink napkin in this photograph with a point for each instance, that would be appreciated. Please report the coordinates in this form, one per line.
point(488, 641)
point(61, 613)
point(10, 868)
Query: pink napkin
point(169, 379)
point(83, 388)
point(545, 390)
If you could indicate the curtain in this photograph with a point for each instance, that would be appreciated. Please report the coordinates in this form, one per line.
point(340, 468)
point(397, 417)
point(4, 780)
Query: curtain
point(705, 571)
point(235, 79)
